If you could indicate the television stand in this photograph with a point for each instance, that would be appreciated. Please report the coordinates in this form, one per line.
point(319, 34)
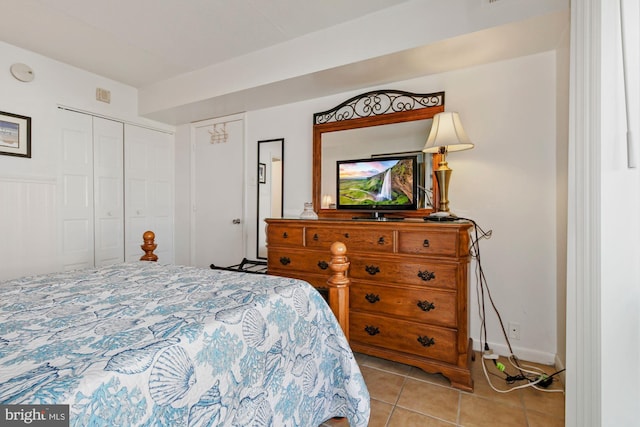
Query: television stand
point(377, 216)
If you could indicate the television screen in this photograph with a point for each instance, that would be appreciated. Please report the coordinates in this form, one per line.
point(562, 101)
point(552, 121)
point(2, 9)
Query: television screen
point(382, 183)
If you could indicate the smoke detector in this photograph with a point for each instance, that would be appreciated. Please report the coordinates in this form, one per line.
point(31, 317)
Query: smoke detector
point(22, 72)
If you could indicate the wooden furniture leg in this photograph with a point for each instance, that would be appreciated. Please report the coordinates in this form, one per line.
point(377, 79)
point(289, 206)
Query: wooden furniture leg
point(339, 285)
point(149, 246)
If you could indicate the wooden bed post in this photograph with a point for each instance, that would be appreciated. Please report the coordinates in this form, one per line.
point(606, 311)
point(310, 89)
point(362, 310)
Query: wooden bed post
point(149, 246)
point(339, 285)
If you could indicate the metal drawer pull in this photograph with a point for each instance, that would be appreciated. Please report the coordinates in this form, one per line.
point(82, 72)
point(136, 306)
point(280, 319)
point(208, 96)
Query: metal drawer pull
point(315, 236)
point(371, 330)
point(346, 235)
point(426, 305)
point(285, 260)
point(372, 269)
point(426, 341)
point(372, 298)
point(425, 243)
point(381, 241)
point(285, 235)
point(426, 275)
point(323, 265)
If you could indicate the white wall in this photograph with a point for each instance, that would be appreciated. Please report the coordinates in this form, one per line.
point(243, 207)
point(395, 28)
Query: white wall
point(620, 193)
point(32, 250)
point(507, 183)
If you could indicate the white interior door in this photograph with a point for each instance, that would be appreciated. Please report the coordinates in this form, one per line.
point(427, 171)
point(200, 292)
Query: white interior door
point(108, 169)
point(218, 192)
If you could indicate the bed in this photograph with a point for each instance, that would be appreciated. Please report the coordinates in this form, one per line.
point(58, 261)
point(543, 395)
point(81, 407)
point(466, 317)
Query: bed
point(149, 344)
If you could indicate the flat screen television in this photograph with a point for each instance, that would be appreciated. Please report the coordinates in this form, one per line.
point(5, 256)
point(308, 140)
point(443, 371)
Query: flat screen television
point(387, 183)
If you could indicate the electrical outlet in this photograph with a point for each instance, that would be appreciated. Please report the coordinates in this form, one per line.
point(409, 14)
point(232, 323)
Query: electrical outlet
point(514, 330)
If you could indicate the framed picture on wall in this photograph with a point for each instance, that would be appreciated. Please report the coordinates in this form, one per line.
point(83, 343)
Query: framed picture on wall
point(262, 173)
point(15, 135)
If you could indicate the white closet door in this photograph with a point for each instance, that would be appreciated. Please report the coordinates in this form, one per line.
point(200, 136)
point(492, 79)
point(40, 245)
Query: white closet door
point(148, 191)
point(76, 190)
point(108, 169)
point(92, 209)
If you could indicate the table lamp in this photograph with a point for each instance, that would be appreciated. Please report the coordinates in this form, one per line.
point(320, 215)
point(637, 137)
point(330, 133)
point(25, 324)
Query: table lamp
point(447, 134)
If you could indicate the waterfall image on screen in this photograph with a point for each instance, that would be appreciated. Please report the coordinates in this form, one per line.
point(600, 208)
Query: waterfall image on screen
point(379, 183)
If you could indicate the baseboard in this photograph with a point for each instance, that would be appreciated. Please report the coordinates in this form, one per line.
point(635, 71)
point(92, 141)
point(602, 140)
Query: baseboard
point(525, 354)
point(560, 367)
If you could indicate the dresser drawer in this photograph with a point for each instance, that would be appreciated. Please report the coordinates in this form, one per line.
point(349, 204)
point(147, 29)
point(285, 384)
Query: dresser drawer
point(437, 307)
point(412, 272)
point(400, 335)
point(279, 235)
point(437, 242)
point(284, 260)
point(355, 239)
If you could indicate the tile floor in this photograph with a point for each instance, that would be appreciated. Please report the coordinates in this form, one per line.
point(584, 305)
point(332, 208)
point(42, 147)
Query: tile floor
point(403, 396)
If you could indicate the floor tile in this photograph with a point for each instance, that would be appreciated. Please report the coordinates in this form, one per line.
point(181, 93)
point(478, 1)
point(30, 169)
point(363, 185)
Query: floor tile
point(382, 385)
point(405, 396)
point(380, 413)
point(543, 420)
point(481, 412)
point(549, 403)
point(404, 418)
point(430, 399)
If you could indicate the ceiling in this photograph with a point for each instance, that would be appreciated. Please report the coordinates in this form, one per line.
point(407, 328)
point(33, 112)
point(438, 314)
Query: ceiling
point(160, 39)
point(143, 43)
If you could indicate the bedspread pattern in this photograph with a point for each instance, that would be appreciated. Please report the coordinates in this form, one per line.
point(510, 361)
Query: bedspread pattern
point(145, 344)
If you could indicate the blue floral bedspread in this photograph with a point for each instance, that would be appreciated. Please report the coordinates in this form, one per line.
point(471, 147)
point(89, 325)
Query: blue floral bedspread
point(148, 344)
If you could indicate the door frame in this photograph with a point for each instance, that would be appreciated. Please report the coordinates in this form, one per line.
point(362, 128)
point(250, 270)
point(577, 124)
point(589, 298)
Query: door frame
point(241, 117)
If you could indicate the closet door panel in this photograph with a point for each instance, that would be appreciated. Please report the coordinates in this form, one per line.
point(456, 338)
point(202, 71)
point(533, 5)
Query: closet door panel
point(108, 148)
point(148, 191)
point(76, 190)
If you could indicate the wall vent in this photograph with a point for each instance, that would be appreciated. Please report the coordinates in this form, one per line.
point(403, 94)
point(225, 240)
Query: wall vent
point(103, 95)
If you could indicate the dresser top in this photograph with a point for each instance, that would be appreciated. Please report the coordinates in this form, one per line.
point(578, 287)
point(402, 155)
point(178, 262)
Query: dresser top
point(385, 222)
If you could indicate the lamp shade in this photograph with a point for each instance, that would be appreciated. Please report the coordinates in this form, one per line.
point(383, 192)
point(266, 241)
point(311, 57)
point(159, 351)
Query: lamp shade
point(447, 134)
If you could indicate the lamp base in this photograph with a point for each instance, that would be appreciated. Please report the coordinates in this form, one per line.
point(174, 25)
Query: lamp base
point(443, 176)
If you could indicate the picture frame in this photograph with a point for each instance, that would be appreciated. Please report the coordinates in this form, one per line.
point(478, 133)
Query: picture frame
point(15, 135)
point(262, 173)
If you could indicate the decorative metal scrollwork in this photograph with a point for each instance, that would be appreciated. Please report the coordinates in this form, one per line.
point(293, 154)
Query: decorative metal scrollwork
point(377, 103)
point(381, 240)
point(372, 298)
point(426, 341)
point(372, 330)
point(426, 275)
point(285, 260)
point(323, 265)
point(372, 269)
point(426, 305)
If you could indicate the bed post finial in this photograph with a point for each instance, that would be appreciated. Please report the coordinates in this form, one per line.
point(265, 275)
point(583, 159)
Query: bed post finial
point(339, 285)
point(149, 246)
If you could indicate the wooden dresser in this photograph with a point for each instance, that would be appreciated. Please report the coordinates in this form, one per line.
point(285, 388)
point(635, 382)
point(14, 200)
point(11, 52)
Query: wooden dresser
point(409, 285)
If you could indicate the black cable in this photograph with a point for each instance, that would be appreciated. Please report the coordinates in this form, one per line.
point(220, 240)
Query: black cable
point(482, 282)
